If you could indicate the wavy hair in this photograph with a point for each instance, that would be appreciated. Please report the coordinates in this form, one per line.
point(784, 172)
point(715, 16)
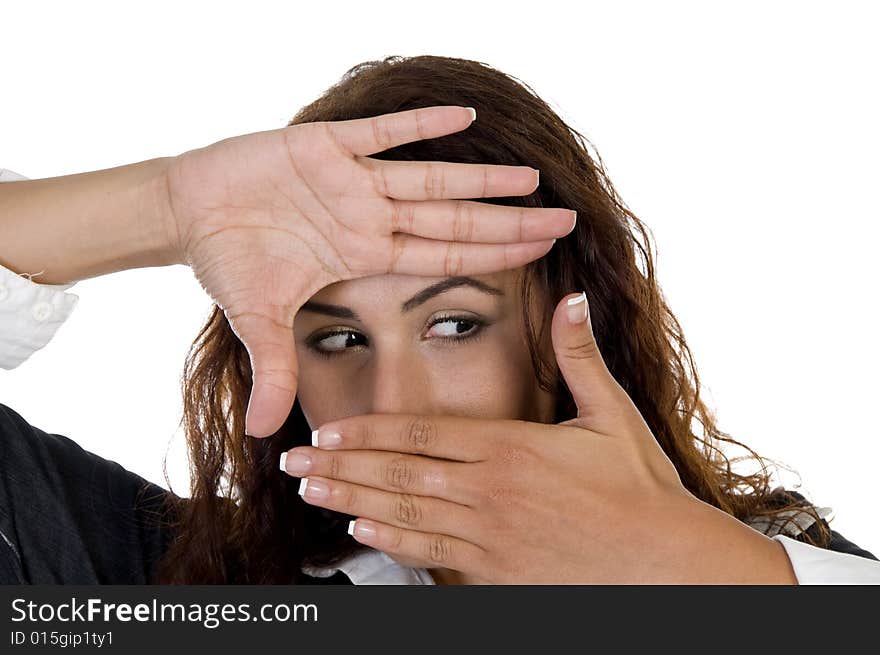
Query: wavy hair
point(245, 523)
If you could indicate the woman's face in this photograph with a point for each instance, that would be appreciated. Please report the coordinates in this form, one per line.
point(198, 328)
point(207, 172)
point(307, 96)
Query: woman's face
point(402, 344)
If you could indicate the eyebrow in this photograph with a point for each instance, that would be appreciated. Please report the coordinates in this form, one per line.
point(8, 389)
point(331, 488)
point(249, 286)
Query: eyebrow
point(421, 297)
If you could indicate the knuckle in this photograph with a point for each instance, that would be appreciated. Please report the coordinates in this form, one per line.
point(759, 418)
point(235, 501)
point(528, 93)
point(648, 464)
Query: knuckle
point(516, 453)
point(347, 498)
point(381, 132)
point(512, 454)
point(368, 436)
point(334, 465)
point(505, 257)
point(584, 348)
point(453, 261)
point(463, 224)
point(380, 182)
point(421, 434)
point(403, 218)
point(429, 180)
point(398, 245)
point(435, 181)
point(407, 510)
point(323, 129)
point(420, 127)
point(396, 540)
point(399, 473)
point(396, 216)
point(298, 139)
point(411, 217)
point(438, 548)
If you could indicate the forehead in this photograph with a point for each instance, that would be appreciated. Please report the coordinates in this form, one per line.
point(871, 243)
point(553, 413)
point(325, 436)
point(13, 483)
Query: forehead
point(398, 288)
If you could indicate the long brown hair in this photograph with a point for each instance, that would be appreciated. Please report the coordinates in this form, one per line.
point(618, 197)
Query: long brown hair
point(244, 521)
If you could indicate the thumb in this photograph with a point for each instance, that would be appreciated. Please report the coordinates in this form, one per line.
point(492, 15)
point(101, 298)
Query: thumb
point(275, 371)
point(593, 388)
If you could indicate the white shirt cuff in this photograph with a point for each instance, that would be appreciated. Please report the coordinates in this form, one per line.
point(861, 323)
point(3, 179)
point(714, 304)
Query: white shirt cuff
point(30, 315)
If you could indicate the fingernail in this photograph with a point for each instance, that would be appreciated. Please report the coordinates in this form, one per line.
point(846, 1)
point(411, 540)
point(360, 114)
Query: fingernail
point(326, 439)
point(313, 488)
point(577, 308)
point(473, 114)
point(362, 529)
point(295, 463)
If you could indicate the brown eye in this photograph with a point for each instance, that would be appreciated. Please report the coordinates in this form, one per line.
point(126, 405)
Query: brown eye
point(335, 342)
point(457, 328)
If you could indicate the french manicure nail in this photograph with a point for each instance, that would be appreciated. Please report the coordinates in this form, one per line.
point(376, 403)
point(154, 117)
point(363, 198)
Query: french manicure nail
point(577, 308)
point(296, 463)
point(326, 439)
point(313, 488)
point(364, 529)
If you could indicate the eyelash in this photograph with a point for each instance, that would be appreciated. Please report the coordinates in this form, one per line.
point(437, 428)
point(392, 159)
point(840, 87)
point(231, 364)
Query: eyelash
point(478, 324)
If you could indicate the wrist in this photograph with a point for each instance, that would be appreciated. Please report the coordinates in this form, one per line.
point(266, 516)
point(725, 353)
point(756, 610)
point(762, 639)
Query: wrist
point(718, 548)
point(159, 214)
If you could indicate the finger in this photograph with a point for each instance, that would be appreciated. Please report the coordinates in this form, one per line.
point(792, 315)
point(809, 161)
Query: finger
point(457, 438)
point(480, 222)
point(436, 550)
point(432, 258)
point(403, 510)
point(367, 136)
point(439, 180)
point(600, 400)
point(396, 472)
point(272, 354)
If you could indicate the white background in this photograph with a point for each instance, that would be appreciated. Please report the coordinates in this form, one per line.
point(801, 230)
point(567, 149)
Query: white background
point(746, 138)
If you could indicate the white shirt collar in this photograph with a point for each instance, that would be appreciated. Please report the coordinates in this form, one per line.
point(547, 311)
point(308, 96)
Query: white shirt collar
point(371, 566)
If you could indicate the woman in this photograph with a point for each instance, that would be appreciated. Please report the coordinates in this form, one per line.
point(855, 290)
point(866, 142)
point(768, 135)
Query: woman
point(244, 522)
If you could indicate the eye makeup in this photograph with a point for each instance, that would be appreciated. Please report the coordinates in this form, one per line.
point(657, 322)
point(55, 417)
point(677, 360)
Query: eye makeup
point(475, 332)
